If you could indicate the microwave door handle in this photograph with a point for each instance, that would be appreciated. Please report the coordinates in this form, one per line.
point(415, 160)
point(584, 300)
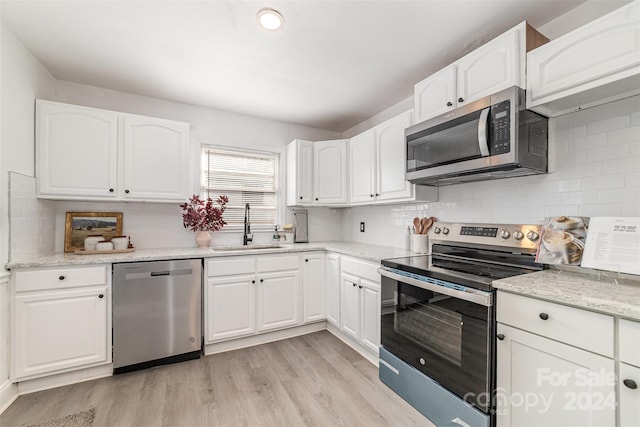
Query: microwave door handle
point(482, 132)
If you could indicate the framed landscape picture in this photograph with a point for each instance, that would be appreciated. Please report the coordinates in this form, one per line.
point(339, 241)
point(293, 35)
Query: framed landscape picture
point(79, 225)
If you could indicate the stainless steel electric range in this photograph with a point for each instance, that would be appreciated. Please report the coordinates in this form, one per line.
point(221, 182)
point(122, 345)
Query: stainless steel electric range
point(438, 318)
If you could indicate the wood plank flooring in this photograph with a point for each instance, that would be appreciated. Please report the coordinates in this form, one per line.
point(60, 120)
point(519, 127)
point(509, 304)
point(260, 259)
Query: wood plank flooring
point(312, 380)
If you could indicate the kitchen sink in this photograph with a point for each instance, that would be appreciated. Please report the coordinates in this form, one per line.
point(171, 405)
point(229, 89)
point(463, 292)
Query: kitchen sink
point(245, 248)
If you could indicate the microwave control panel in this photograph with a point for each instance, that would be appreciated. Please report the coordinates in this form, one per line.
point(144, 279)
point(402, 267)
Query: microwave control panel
point(500, 128)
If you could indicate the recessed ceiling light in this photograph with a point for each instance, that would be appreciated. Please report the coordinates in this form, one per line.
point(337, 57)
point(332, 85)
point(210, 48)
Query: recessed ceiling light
point(270, 19)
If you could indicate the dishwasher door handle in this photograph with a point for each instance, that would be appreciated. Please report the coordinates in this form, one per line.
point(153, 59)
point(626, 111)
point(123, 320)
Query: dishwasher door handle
point(160, 273)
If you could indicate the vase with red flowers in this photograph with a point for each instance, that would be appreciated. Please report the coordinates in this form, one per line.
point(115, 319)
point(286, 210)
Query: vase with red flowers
point(204, 216)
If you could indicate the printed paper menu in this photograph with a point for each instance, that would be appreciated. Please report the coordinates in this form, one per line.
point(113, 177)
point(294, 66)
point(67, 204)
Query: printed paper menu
point(613, 244)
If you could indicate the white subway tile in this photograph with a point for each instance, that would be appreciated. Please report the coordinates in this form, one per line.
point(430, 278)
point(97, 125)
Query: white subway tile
point(589, 142)
point(629, 195)
point(603, 182)
point(607, 125)
point(580, 197)
point(564, 185)
point(608, 153)
point(632, 180)
point(631, 164)
point(622, 136)
point(601, 210)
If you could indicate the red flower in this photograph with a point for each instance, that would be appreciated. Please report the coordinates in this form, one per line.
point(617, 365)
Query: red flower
point(199, 215)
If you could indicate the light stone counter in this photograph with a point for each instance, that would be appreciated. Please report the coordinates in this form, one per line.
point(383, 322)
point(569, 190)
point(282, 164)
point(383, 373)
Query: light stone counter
point(619, 297)
point(370, 252)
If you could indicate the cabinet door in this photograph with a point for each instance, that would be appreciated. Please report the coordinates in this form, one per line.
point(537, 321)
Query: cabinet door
point(299, 173)
point(436, 94)
point(362, 161)
point(490, 68)
point(230, 307)
point(330, 172)
point(542, 382)
point(155, 159)
point(590, 58)
point(58, 330)
point(391, 183)
point(629, 396)
point(370, 301)
point(278, 303)
point(332, 283)
point(313, 287)
point(76, 151)
point(350, 305)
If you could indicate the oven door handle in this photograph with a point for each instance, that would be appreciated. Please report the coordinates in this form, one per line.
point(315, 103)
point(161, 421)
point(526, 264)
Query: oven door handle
point(472, 295)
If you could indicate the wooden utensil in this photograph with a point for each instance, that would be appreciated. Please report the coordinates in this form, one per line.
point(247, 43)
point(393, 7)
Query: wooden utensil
point(426, 224)
point(416, 225)
point(423, 225)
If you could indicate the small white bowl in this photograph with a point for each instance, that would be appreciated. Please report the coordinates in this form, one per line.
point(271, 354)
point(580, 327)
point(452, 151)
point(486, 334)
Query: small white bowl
point(565, 222)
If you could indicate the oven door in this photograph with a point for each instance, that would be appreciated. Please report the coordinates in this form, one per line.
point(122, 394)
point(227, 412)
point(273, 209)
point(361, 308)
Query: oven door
point(443, 330)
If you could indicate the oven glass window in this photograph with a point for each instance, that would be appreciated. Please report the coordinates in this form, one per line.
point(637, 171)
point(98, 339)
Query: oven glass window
point(444, 337)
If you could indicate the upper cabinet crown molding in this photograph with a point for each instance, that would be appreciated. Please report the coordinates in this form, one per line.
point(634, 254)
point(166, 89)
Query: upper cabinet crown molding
point(86, 153)
point(494, 66)
point(594, 64)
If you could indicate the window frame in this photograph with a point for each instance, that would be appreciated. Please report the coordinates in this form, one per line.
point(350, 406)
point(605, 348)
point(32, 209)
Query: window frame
point(279, 184)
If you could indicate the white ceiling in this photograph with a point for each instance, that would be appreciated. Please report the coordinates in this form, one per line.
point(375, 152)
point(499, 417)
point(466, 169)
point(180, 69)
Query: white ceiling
point(334, 64)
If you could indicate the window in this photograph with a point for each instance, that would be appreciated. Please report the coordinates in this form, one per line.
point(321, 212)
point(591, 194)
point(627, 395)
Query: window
point(244, 177)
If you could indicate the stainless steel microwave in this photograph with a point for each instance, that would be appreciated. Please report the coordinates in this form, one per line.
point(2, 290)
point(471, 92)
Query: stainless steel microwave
point(493, 137)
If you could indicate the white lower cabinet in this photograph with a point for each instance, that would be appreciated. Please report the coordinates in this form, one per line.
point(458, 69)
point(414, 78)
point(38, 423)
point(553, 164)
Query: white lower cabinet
point(313, 287)
point(332, 285)
point(245, 295)
point(360, 302)
point(62, 321)
point(542, 382)
point(629, 405)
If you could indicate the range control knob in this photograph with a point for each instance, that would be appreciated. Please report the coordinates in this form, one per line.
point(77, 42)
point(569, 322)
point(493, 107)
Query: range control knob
point(518, 235)
point(533, 236)
point(436, 230)
point(445, 230)
point(505, 234)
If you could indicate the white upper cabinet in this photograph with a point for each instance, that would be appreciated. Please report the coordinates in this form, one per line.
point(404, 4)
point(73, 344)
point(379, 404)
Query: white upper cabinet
point(377, 165)
point(596, 63)
point(330, 172)
point(155, 159)
point(317, 173)
point(76, 151)
point(362, 159)
point(90, 154)
point(390, 150)
point(299, 173)
point(494, 66)
point(497, 65)
point(436, 94)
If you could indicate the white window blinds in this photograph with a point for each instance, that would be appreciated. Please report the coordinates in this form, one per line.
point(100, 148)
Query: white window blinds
point(244, 177)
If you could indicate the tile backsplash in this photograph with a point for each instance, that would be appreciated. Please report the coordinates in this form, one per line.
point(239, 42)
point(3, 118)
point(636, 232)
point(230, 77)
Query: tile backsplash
point(31, 220)
point(594, 162)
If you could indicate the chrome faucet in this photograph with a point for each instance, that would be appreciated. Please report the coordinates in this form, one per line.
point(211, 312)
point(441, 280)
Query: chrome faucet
point(247, 236)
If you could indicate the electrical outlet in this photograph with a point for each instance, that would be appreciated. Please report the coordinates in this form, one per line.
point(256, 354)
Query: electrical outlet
point(362, 227)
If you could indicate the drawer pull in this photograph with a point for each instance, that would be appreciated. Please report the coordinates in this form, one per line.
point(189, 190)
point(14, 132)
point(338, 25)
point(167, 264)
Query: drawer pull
point(630, 384)
point(544, 316)
point(60, 277)
point(253, 281)
point(360, 286)
point(261, 280)
point(500, 337)
point(101, 296)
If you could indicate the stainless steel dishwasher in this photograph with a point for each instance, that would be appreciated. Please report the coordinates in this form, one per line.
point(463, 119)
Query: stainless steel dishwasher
point(157, 313)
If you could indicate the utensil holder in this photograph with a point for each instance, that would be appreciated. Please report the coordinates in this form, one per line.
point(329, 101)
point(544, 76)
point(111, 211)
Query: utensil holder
point(420, 243)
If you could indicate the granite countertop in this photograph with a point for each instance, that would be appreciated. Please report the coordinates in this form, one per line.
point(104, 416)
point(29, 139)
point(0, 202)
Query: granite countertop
point(370, 252)
point(589, 290)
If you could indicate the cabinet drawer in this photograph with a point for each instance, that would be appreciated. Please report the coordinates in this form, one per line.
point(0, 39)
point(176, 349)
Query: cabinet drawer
point(573, 326)
point(629, 342)
point(226, 266)
point(361, 268)
point(267, 263)
point(60, 278)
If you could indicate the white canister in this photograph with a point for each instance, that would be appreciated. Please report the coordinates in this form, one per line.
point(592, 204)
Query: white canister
point(120, 242)
point(103, 245)
point(91, 241)
point(420, 243)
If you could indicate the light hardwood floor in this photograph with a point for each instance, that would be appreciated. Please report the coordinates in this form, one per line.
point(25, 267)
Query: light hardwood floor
point(313, 380)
